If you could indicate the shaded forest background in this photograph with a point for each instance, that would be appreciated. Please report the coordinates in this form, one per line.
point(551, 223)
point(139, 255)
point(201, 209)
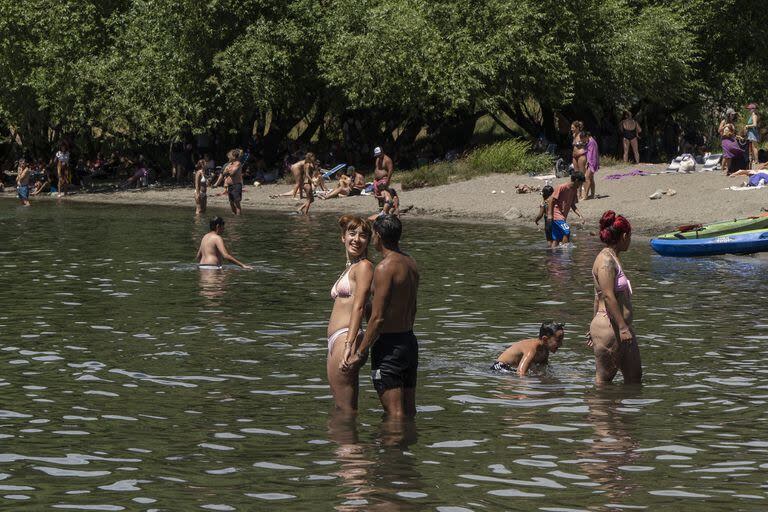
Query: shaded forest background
point(140, 74)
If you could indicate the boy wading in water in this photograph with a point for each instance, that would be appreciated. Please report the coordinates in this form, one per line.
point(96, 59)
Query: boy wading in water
point(212, 249)
point(22, 184)
point(560, 203)
point(523, 354)
point(395, 352)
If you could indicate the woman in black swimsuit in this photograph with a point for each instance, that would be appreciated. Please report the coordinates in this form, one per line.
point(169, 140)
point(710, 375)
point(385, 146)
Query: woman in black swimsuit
point(630, 132)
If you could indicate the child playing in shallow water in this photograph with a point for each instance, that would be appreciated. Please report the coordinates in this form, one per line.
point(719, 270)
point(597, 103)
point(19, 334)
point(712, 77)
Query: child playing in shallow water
point(545, 193)
point(524, 353)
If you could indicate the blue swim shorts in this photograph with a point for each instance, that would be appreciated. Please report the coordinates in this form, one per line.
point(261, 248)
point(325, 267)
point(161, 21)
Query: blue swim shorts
point(23, 191)
point(560, 229)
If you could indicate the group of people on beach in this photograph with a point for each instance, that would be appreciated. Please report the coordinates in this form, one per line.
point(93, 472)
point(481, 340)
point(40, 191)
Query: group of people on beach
point(32, 178)
point(309, 182)
point(741, 150)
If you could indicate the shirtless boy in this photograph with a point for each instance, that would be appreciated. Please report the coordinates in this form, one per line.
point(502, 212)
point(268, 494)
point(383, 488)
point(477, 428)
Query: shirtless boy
point(532, 351)
point(22, 184)
point(212, 249)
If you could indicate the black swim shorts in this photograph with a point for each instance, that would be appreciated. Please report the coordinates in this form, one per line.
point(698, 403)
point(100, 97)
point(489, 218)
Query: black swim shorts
point(235, 192)
point(394, 361)
point(548, 229)
point(498, 366)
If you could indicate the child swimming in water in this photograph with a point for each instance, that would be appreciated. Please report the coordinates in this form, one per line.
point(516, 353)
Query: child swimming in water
point(524, 353)
point(545, 193)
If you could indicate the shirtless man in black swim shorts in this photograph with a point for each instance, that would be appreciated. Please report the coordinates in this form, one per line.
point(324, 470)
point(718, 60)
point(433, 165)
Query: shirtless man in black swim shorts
point(233, 170)
point(395, 352)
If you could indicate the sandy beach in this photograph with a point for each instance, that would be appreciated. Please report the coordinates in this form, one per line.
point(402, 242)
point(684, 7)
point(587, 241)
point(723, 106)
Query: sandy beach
point(700, 197)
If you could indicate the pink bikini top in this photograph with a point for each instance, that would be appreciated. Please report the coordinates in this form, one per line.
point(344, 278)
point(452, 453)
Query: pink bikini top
point(622, 282)
point(342, 287)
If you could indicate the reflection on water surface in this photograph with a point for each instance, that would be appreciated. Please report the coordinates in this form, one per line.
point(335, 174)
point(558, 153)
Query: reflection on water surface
point(131, 381)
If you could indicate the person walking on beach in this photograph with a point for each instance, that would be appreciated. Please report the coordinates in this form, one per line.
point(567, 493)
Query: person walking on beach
point(213, 250)
point(22, 184)
point(630, 133)
point(593, 165)
point(753, 132)
point(382, 173)
point(611, 334)
point(350, 296)
point(562, 201)
point(395, 351)
point(234, 172)
point(521, 355)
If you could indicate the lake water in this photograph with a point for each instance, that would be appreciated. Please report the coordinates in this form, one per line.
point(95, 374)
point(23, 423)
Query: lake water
point(130, 381)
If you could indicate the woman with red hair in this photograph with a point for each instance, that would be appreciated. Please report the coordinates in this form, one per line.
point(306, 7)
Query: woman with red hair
point(611, 335)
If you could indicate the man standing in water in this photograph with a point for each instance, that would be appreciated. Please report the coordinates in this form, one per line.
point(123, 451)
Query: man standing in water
point(22, 183)
point(382, 174)
point(560, 203)
point(395, 352)
point(212, 249)
point(232, 175)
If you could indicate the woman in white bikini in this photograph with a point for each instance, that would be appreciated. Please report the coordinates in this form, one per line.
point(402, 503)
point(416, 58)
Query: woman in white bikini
point(611, 334)
point(350, 296)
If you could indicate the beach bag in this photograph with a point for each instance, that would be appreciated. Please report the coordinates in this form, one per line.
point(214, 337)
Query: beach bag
point(687, 164)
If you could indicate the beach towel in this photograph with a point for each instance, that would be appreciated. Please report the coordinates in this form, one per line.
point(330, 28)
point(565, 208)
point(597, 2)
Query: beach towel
point(713, 162)
point(329, 174)
point(635, 172)
point(758, 180)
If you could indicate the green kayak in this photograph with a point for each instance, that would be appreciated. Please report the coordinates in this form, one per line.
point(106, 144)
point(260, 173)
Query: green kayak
point(717, 229)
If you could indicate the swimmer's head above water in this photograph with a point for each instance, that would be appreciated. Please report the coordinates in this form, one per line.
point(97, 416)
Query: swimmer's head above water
point(388, 229)
point(216, 224)
point(551, 333)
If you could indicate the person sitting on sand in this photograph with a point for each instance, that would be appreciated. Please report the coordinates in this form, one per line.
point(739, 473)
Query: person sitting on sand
point(521, 355)
point(546, 192)
point(42, 181)
point(212, 249)
point(350, 184)
point(318, 183)
point(139, 177)
point(562, 201)
point(734, 153)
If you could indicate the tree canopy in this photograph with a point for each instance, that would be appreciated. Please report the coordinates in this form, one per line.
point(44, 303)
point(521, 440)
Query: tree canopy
point(147, 71)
